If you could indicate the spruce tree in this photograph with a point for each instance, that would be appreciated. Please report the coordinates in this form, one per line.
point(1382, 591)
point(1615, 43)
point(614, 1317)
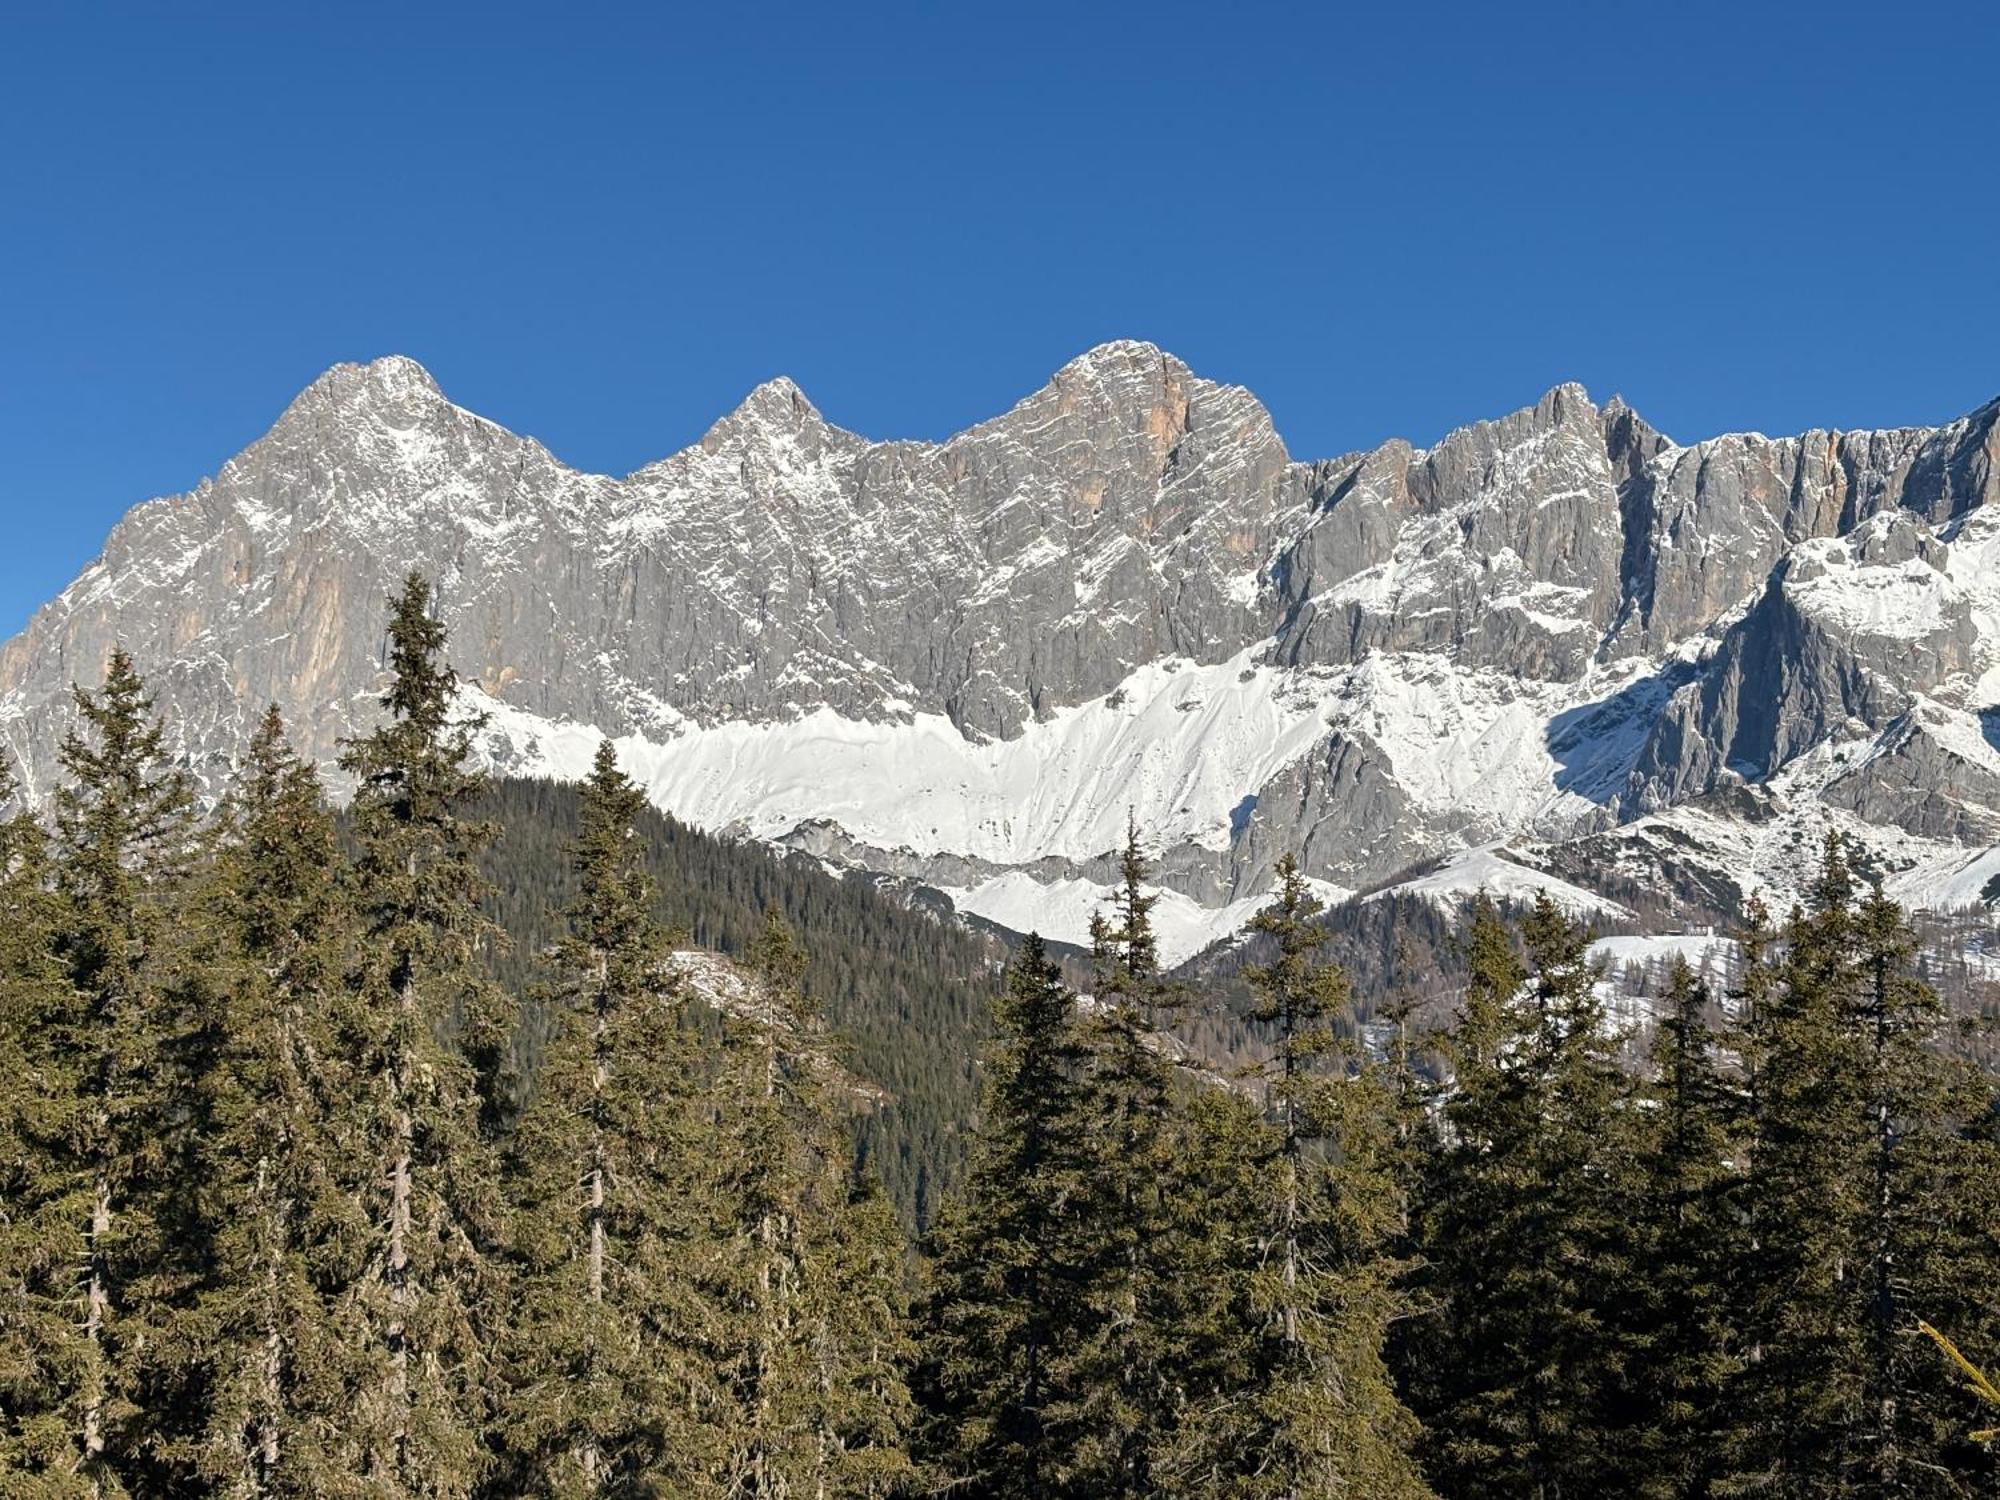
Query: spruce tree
point(431, 1063)
point(1208, 1312)
point(1326, 1420)
point(103, 1205)
point(820, 1392)
point(278, 1201)
point(42, 1182)
point(1457, 1350)
point(1005, 1321)
point(1681, 1346)
point(1802, 1395)
point(1589, 1257)
point(857, 1287)
point(1166, 1227)
point(1134, 1394)
point(607, 1388)
point(1872, 1169)
point(1931, 1237)
point(1524, 1240)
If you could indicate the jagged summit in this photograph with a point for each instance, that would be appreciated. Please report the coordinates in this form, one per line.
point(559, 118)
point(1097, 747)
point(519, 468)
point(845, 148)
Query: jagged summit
point(776, 406)
point(1567, 399)
point(385, 402)
point(1116, 356)
point(964, 661)
point(393, 377)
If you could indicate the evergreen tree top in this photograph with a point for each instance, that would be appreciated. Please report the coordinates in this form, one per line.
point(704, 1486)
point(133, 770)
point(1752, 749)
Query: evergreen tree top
point(1494, 978)
point(124, 816)
point(1295, 990)
point(1034, 996)
point(1125, 958)
point(115, 756)
point(421, 686)
point(779, 963)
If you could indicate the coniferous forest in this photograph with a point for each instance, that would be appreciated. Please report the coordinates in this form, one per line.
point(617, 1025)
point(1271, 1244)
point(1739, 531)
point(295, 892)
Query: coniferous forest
point(390, 1153)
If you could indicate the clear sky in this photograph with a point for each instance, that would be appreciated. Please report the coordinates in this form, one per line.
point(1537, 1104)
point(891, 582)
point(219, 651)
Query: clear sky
point(602, 225)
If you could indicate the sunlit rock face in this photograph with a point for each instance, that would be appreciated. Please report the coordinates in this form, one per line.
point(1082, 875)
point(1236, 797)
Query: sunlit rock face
point(968, 663)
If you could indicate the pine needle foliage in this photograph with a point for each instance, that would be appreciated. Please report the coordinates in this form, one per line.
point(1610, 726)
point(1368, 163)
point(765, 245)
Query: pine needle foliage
point(1520, 1227)
point(43, 1181)
point(112, 1050)
point(606, 1388)
point(1134, 1391)
point(309, 1188)
point(1324, 1416)
point(1871, 1201)
point(1005, 1320)
point(820, 1398)
point(431, 1053)
point(283, 1236)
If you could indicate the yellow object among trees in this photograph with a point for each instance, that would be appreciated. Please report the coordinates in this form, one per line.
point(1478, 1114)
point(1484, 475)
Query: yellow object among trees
point(1982, 1387)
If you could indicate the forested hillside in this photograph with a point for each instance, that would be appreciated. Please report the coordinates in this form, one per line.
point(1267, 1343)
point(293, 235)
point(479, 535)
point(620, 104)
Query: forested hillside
point(909, 995)
point(311, 1185)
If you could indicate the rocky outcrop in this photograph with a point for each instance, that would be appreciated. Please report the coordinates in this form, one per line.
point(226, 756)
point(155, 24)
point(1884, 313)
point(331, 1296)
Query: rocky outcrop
point(1925, 780)
point(1845, 635)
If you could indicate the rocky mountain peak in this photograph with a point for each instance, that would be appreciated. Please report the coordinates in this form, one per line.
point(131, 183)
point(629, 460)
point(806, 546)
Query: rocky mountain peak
point(1114, 359)
point(375, 418)
point(777, 407)
point(1565, 404)
point(964, 662)
point(1123, 381)
point(392, 387)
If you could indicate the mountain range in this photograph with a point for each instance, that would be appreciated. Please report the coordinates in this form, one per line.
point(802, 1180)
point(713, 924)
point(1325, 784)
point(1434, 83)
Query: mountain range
point(1554, 649)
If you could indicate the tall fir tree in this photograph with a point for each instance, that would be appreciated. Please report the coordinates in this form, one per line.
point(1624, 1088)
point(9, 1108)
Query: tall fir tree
point(432, 1061)
point(858, 1289)
point(1325, 1418)
point(42, 1182)
point(1169, 1219)
point(1134, 1390)
point(1005, 1321)
point(1207, 1309)
point(1871, 1167)
point(608, 1389)
point(821, 1397)
point(1524, 1241)
point(281, 1227)
point(1589, 1257)
point(1678, 1327)
point(1809, 1127)
point(112, 1050)
point(1455, 1351)
point(1932, 1223)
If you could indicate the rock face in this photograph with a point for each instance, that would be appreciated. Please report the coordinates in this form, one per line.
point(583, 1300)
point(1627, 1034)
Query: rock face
point(966, 662)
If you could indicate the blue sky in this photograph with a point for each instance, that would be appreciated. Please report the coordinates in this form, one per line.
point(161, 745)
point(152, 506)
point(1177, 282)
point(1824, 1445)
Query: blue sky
point(603, 224)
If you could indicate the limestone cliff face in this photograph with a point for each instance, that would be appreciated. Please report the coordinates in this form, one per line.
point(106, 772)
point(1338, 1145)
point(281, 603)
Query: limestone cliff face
point(1123, 593)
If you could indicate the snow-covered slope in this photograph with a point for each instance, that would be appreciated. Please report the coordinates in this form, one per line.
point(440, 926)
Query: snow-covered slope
point(969, 663)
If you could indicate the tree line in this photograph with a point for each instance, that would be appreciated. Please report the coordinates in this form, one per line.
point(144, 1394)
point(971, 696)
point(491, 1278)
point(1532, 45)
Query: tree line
point(286, 1208)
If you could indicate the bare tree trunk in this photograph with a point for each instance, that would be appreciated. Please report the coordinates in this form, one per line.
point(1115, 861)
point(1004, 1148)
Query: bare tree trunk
point(402, 1295)
point(767, 1331)
point(97, 1302)
point(591, 1458)
point(600, 1076)
point(1290, 1225)
point(274, 1346)
point(1885, 1250)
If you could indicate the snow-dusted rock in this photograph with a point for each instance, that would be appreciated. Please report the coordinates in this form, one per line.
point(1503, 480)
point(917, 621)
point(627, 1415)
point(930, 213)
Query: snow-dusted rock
point(967, 662)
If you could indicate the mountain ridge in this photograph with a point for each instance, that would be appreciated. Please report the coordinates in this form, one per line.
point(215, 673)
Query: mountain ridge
point(965, 661)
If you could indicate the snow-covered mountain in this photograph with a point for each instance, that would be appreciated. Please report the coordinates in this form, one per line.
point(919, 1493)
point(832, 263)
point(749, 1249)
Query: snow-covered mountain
point(1555, 640)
